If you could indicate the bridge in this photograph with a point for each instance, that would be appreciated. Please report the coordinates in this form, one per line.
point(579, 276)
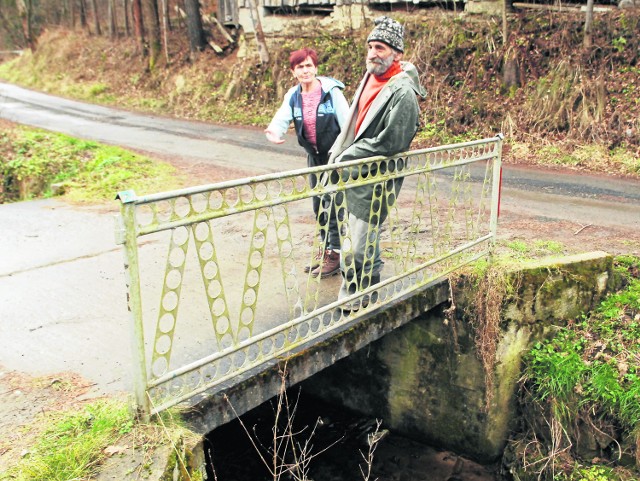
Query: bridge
point(216, 290)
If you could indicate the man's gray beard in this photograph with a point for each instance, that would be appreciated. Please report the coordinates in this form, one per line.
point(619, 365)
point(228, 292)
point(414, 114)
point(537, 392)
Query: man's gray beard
point(380, 68)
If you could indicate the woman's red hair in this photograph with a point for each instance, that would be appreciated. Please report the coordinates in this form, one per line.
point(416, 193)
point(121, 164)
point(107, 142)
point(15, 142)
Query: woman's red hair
point(299, 56)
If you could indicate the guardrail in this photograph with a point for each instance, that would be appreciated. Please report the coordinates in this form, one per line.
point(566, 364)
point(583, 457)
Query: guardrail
point(215, 281)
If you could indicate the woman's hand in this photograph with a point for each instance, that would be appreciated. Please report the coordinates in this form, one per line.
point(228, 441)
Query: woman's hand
point(271, 137)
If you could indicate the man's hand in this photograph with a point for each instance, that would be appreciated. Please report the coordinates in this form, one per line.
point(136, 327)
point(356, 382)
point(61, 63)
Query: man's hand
point(272, 137)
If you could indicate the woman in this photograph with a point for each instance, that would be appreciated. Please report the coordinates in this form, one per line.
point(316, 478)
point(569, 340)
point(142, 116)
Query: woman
point(317, 108)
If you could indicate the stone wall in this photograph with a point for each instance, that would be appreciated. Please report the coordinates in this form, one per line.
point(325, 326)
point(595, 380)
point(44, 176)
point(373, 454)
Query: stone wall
point(425, 380)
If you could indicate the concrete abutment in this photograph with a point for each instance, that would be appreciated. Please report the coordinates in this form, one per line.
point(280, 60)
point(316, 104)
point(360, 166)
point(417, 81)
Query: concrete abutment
point(415, 366)
point(425, 380)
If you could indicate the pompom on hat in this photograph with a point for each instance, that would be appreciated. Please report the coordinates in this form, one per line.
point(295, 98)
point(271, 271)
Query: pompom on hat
point(389, 31)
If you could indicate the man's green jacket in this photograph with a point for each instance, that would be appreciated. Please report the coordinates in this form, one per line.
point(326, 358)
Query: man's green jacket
point(388, 129)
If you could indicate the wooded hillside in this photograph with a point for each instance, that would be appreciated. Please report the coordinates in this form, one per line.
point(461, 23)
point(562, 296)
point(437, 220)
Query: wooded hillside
point(557, 100)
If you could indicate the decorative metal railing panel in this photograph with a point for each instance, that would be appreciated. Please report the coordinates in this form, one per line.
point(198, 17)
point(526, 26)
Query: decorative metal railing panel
point(215, 276)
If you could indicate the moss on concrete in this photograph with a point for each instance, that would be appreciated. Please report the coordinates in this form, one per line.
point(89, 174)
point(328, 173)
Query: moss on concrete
point(426, 379)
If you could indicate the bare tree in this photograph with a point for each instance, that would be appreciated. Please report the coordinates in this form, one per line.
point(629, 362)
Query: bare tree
point(125, 6)
point(11, 28)
point(113, 20)
point(510, 63)
point(138, 24)
point(257, 26)
point(505, 22)
point(588, 26)
point(150, 8)
point(197, 39)
point(83, 14)
point(25, 13)
point(165, 27)
point(72, 14)
point(64, 12)
point(166, 20)
point(96, 18)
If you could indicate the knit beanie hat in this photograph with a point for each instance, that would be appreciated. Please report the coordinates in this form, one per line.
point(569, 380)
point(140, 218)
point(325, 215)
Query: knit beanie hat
point(389, 31)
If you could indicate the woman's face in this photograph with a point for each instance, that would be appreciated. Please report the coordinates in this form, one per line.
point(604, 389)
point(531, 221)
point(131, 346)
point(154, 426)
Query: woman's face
point(305, 72)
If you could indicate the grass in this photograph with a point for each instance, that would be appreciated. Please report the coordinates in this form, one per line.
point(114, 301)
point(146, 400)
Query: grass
point(587, 374)
point(588, 157)
point(73, 444)
point(567, 103)
point(520, 250)
point(591, 473)
point(85, 171)
point(593, 363)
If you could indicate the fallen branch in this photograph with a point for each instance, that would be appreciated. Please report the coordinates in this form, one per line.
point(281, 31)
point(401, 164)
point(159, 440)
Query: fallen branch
point(582, 228)
point(216, 48)
point(214, 20)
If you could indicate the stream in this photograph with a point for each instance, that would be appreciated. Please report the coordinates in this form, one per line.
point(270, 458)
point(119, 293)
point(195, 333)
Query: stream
point(332, 445)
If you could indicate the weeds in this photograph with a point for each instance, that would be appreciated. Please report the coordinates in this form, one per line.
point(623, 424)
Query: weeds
point(521, 250)
point(292, 448)
point(491, 284)
point(288, 457)
point(592, 473)
point(585, 381)
point(75, 443)
point(73, 446)
point(564, 97)
point(564, 101)
point(488, 303)
point(85, 171)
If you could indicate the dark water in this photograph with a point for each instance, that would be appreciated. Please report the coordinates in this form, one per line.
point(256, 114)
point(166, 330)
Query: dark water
point(331, 444)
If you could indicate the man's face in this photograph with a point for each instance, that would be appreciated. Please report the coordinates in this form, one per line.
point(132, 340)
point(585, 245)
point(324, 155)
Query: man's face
point(380, 57)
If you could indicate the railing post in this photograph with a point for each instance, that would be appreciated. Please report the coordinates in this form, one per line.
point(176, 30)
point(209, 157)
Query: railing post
point(126, 235)
point(495, 192)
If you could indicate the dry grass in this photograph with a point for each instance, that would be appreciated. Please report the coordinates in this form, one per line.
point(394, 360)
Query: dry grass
point(568, 98)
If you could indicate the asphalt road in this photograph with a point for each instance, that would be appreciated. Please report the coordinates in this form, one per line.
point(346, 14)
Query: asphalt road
point(62, 288)
point(244, 148)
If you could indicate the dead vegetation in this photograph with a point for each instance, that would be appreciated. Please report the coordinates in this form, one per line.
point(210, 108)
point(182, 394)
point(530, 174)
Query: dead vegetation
point(558, 94)
point(492, 288)
point(579, 395)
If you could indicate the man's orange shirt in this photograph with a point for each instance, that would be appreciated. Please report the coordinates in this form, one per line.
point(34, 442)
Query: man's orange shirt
point(372, 89)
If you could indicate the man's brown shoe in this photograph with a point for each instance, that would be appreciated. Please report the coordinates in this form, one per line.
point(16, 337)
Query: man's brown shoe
point(330, 265)
point(315, 263)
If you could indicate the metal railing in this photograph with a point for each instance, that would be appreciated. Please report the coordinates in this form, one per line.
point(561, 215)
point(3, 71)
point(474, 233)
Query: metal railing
point(215, 284)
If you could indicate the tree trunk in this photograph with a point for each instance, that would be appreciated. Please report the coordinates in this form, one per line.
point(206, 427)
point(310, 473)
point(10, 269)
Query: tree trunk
point(64, 13)
point(83, 14)
point(96, 18)
point(257, 26)
point(510, 63)
point(588, 26)
point(138, 25)
point(72, 15)
point(113, 21)
point(511, 70)
point(505, 22)
point(24, 12)
point(127, 28)
point(165, 15)
point(194, 25)
point(153, 27)
point(165, 28)
point(12, 30)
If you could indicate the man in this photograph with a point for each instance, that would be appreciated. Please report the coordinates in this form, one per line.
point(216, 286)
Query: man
point(382, 120)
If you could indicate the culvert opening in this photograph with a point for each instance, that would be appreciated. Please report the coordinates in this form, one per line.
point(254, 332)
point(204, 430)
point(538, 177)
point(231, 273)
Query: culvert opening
point(298, 436)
